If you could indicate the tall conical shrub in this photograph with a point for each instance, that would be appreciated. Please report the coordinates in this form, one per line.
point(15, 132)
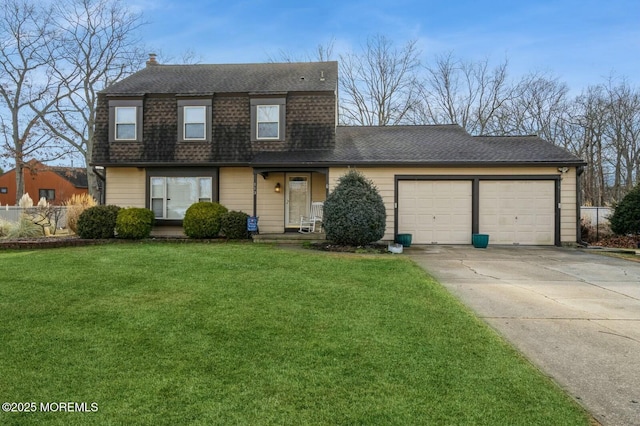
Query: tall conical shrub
point(354, 213)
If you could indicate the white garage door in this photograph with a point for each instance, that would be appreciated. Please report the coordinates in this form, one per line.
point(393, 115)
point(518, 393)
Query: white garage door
point(518, 212)
point(435, 212)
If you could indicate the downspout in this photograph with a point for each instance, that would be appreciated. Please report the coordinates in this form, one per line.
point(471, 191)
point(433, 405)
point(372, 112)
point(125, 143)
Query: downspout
point(579, 171)
point(103, 193)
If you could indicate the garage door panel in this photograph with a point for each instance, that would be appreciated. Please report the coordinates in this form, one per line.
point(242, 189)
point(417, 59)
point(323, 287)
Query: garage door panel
point(518, 212)
point(442, 212)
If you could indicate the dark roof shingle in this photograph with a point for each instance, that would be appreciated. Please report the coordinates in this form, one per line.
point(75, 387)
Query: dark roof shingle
point(424, 145)
point(229, 78)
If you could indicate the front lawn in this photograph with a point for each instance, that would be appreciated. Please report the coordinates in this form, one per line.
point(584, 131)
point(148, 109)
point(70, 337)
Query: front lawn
point(171, 333)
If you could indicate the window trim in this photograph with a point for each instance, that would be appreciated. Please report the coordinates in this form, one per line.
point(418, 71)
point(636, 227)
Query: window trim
point(280, 102)
point(125, 103)
point(186, 172)
point(207, 104)
point(126, 123)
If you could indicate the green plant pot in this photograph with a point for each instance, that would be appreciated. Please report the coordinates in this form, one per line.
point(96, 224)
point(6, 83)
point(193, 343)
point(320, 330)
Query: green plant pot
point(404, 239)
point(480, 240)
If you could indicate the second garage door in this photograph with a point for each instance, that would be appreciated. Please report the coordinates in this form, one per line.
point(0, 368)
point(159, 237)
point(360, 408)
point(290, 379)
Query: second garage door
point(435, 212)
point(518, 212)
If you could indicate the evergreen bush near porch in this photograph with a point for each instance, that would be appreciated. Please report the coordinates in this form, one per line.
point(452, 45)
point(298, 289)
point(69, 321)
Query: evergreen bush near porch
point(98, 222)
point(134, 223)
point(233, 225)
point(203, 219)
point(354, 212)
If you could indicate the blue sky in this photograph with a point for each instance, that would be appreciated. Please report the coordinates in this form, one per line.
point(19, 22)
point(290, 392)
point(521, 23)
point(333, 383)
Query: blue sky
point(581, 42)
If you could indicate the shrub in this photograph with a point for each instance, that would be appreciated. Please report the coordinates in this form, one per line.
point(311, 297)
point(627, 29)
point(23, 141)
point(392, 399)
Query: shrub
point(134, 223)
point(98, 222)
point(233, 225)
point(75, 206)
point(354, 212)
point(202, 219)
point(626, 215)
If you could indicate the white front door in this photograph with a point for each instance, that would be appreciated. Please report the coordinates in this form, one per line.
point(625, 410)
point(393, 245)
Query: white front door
point(297, 195)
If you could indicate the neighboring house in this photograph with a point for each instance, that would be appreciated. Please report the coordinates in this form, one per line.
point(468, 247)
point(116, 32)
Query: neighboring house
point(264, 139)
point(56, 184)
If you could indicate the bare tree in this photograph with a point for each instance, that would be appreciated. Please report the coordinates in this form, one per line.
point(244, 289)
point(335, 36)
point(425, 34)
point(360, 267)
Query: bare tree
point(470, 94)
point(27, 89)
point(99, 47)
point(322, 53)
point(379, 86)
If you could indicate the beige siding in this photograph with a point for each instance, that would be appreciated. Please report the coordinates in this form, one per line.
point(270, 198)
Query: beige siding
point(318, 187)
point(270, 203)
point(125, 186)
point(383, 178)
point(568, 202)
point(236, 188)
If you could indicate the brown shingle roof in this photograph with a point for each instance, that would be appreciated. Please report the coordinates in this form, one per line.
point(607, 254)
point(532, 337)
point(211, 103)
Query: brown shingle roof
point(229, 78)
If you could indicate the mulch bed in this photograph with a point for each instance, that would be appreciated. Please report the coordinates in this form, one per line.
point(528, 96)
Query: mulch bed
point(340, 248)
point(629, 242)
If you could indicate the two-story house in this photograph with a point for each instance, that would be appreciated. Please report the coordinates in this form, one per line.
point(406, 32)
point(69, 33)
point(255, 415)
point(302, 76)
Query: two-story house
point(264, 139)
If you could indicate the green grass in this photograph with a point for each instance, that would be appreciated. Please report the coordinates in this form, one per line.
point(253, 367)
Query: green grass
point(249, 334)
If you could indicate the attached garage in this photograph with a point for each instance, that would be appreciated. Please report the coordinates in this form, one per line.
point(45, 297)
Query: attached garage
point(435, 211)
point(513, 210)
point(521, 212)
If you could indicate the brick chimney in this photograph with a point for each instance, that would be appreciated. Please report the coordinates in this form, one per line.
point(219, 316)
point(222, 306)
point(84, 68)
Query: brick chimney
point(152, 60)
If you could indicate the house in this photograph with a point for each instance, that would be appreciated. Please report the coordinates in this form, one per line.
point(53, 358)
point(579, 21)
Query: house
point(56, 184)
point(264, 139)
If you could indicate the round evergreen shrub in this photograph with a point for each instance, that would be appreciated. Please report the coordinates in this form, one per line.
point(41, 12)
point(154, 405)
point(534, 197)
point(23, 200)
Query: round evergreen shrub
point(97, 222)
point(202, 219)
point(354, 212)
point(234, 225)
point(134, 223)
point(626, 215)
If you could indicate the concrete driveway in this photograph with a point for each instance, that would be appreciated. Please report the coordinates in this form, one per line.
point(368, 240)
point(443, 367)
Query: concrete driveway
point(573, 313)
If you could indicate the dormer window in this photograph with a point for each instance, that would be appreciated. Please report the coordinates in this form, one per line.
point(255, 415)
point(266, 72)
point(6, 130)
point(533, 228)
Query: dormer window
point(126, 123)
point(125, 120)
point(194, 120)
point(267, 119)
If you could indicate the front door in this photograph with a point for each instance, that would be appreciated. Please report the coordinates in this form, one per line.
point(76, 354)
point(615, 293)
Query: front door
point(297, 198)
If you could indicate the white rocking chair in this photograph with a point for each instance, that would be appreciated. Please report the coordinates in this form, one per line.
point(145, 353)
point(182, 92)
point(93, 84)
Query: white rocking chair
point(308, 224)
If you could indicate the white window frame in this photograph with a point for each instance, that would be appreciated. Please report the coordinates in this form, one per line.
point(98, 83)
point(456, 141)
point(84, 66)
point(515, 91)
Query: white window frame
point(117, 123)
point(258, 121)
point(185, 122)
point(163, 197)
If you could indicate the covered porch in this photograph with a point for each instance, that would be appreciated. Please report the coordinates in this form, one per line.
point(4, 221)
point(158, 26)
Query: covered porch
point(283, 195)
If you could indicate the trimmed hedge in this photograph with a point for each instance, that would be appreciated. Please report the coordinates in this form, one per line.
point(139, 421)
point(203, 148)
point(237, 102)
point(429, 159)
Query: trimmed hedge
point(234, 225)
point(202, 219)
point(354, 213)
point(626, 215)
point(134, 223)
point(98, 222)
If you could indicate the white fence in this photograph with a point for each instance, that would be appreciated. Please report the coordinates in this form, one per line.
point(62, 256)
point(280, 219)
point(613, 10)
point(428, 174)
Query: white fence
point(596, 215)
point(13, 213)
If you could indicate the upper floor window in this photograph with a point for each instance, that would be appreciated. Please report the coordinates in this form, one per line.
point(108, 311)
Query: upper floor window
point(4, 190)
point(194, 120)
point(125, 120)
point(126, 123)
point(268, 119)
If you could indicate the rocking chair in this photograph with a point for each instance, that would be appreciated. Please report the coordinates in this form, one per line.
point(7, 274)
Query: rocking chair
point(308, 224)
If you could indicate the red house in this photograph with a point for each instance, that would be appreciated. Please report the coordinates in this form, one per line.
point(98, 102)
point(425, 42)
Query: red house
point(56, 184)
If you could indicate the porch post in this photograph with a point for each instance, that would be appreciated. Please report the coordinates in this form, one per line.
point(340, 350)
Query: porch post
point(255, 193)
